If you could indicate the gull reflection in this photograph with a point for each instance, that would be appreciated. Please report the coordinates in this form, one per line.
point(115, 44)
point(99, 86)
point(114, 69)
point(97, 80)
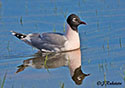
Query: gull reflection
point(72, 59)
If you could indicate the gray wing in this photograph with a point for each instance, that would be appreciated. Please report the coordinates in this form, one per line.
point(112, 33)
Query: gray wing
point(54, 38)
point(46, 41)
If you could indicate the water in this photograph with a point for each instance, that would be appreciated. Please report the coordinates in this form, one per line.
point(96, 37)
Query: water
point(102, 41)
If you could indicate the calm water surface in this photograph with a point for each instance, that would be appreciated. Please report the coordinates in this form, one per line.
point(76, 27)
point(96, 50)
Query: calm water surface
point(102, 42)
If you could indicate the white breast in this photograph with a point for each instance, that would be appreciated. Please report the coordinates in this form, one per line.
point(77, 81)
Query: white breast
point(73, 41)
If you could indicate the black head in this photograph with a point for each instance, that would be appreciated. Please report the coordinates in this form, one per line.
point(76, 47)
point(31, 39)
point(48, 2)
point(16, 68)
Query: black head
point(79, 76)
point(74, 21)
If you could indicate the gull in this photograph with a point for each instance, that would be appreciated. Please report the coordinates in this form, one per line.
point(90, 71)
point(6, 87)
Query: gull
point(71, 59)
point(52, 41)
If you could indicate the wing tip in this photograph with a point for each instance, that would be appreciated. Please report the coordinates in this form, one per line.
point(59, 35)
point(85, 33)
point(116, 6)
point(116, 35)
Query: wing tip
point(13, 32)
point(18, 35)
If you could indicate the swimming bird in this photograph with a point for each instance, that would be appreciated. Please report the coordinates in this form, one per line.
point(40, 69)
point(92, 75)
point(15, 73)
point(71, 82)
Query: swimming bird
point(55, 42)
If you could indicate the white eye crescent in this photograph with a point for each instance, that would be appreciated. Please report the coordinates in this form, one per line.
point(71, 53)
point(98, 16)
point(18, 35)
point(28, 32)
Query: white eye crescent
point(79, 78)
point(74, 19)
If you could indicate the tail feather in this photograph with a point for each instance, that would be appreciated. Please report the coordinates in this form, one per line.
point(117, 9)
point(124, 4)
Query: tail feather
point(18, 35)
point(21, 68)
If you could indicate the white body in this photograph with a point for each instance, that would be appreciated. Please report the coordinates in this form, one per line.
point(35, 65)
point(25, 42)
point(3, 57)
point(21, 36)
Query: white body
point(73, 41)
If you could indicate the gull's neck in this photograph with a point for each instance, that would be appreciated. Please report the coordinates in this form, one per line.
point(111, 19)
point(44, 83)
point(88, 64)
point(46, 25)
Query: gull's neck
point(73, 41)
point(74, 59)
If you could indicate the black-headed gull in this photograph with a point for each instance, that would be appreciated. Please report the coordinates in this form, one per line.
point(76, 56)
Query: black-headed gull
point(55, 42)
point(71, 59)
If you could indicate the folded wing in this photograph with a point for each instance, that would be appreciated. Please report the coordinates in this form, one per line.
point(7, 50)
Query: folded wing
point(46, 42)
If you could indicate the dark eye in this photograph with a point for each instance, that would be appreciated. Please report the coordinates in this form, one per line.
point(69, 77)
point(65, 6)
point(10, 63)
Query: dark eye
point(74, 19)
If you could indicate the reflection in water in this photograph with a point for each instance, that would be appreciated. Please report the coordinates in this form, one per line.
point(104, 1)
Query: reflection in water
point(71, 59)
